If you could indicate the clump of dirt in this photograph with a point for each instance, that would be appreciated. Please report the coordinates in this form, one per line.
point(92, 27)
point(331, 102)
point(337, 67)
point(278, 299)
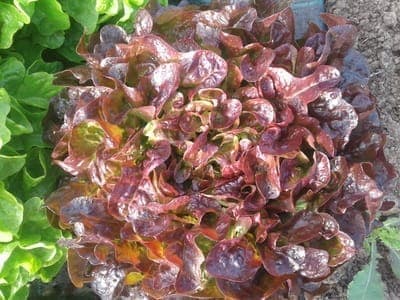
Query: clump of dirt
point(378, 22)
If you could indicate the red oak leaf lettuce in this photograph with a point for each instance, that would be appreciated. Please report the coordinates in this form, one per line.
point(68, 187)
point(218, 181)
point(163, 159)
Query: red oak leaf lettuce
point(210, 155)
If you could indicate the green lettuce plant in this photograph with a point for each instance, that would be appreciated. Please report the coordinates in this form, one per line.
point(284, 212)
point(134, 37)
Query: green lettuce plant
point(28, 244)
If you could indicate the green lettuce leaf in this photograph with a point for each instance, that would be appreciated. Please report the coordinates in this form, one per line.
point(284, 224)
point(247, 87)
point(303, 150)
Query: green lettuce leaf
point(72, 37)
point(10, 165)
point(5, 108)
point(11, 21)
point(36, 90)
point(17, 122)
point(5, 252)
point(83, 12)
point(50, 18)
point(39, 177)
point(53, 41)
point(12, 73)
point(39, 65)
point(26, 8)
point(11, 212)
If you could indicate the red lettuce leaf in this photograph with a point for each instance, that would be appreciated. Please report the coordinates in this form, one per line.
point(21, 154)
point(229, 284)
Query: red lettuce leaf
point(338, 118)
point(232, 260)
point(202, 69)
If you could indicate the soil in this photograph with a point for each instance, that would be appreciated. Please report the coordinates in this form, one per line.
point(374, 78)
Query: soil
point(378, 22)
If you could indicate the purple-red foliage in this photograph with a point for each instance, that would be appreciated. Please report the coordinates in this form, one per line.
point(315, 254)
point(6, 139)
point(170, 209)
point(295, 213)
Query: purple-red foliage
point(210, 155)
